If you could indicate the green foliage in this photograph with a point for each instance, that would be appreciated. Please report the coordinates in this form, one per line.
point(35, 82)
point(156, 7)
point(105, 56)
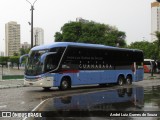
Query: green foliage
point(91, 32)
point(147, 48)
point(24, 51)
point(58, 36)
point(151, 49)
point(157, 42)
point(4, 60)
point(14, 59)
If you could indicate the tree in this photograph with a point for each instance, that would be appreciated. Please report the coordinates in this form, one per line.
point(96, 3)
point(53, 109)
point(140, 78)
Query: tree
point(147, 47)
point(114, 36)
point(91, 32)
point(4, 60)
point(24, 51)
point(14, 60)
point(58, 36)
point(157, 42)
point(15, 54)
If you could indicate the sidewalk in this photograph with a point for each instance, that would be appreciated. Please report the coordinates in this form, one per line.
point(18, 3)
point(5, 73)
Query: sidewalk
point(147, 76)
point(14, 83)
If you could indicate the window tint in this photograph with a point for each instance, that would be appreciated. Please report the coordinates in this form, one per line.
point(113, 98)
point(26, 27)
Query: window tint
point(91, 58)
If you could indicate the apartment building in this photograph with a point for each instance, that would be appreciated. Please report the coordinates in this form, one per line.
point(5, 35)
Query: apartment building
point(155, 19)
point(12, 38)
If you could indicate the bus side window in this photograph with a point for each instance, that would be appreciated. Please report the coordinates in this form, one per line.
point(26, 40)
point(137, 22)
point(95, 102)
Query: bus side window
point(51, 63)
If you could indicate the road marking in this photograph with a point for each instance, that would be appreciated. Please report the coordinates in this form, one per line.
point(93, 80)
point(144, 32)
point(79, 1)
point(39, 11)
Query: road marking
point(36, 107)
point(39, 104)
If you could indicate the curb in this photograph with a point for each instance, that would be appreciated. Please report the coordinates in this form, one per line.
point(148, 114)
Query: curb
point(13, 86)
point(8, 83)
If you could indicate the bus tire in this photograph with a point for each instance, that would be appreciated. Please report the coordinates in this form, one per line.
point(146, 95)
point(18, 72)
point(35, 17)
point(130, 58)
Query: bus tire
point(129, 80)
point(65, 83)
point(120, 80)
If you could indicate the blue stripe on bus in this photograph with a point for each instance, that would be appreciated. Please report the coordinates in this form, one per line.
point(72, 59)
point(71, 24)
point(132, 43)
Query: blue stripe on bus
point(97, 76)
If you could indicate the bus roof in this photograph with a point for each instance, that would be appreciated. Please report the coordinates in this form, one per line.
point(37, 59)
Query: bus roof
point(65, 44)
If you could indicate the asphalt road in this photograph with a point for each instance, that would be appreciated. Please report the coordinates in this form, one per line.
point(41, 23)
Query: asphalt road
point(28, 98)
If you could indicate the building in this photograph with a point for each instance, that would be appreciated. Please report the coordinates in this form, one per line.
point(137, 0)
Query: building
point(12, 38)
point(38, 36)
point(1, 53)
point(155, 19)
point(25, 45)
point(79, 19)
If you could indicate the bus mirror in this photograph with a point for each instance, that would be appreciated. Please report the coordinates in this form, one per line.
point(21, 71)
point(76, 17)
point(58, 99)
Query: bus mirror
point(20, 59)
point(43, 57)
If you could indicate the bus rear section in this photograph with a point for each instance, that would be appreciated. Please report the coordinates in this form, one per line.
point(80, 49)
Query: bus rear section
point(148, 65)
point(151, 65)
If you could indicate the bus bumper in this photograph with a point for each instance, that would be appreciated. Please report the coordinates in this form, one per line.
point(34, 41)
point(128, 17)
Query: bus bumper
point(39, 82)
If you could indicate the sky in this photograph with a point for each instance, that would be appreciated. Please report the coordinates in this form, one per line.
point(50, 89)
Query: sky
point(130, 16)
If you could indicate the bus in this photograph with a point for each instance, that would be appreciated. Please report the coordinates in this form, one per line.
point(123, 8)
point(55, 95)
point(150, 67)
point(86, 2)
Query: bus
point(151, 65)
point(148, 65)
point(67, 64)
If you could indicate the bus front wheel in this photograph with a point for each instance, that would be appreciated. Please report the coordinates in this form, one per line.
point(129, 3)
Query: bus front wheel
point(120, 80)
point(65, 84)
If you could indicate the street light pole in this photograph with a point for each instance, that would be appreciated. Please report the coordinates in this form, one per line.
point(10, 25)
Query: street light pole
point(32, 8)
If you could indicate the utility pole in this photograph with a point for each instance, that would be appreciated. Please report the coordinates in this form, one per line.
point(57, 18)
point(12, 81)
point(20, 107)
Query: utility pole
point(32, 8)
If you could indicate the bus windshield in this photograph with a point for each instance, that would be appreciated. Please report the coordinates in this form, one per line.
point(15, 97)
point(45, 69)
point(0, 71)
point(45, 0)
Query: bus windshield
point(34, 66)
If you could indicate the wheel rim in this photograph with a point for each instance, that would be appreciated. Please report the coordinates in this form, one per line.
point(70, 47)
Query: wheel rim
point(120, 81)
point(64, 84)
point(129, 80)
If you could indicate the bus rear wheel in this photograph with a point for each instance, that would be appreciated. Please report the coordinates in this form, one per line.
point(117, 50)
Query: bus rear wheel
point(120, 80)
point(129, 80)
point(65, 84)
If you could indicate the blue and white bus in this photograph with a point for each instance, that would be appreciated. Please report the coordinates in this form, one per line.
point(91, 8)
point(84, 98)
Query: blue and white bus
point(67, 64)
